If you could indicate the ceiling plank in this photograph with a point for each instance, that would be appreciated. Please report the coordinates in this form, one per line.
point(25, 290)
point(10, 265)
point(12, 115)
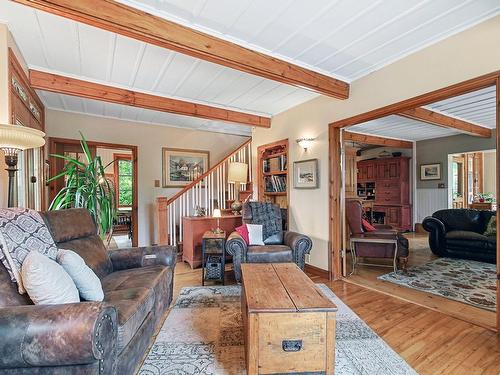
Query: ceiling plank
point(134, 23)
point(376, 140)
point(91, 90)
point(439, 119)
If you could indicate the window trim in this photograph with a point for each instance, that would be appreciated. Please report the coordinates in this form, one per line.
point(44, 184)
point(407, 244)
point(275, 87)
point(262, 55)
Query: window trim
point(116, 159)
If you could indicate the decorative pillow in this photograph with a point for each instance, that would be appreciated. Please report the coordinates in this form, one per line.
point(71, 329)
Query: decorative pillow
point(255, 234)
point(491, 228)
point(46, 282)
point(243, 231)
point(22, 231)
point(367, 226)
point(86, 281)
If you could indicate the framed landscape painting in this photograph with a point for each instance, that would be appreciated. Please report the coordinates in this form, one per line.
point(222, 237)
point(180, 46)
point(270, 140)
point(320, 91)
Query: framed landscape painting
point(430, 171)
point(306, 174)
point(182, 166)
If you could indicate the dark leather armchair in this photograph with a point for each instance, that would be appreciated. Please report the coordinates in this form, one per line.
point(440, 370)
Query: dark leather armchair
point(280, 246)
point(109, 337)
point(458, 233)
point(384, 242)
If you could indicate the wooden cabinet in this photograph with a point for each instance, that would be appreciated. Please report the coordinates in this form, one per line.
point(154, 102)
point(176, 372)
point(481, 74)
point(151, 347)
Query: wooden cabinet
point(350, 172)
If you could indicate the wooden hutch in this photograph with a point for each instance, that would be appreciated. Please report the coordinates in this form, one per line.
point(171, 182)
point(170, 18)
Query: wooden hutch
point(272, 170)
point(386, 183)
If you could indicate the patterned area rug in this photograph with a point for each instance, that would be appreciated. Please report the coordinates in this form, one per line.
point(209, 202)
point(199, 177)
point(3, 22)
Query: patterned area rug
point(461, 280)
point(203, 335)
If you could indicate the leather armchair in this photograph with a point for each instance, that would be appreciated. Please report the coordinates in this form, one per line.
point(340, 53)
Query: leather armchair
point(459, 233)
point(280, 247)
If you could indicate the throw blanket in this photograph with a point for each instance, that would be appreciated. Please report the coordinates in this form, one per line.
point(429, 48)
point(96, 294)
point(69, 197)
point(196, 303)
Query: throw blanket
point(269, 216)
point(23, 230)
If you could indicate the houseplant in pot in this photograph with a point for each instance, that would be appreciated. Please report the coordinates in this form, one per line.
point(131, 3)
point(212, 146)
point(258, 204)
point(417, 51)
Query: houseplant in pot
point(86, 186)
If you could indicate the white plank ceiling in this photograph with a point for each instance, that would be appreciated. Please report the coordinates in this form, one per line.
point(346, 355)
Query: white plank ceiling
point(342, 38)
point(477, 107)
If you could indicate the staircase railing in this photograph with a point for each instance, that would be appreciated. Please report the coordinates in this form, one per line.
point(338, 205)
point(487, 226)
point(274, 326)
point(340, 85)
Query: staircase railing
point(211, 190)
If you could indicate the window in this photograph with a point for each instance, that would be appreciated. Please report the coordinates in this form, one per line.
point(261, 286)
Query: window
point(123, 180)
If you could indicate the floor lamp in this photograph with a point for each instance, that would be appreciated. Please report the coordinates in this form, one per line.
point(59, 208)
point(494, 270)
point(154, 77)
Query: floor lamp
point(15, 138)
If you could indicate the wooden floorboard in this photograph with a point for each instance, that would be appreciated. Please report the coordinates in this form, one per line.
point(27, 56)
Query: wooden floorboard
point(430, 341)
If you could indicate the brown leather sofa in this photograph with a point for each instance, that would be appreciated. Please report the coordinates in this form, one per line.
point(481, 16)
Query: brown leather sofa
point(280, 247)
point(109, 337)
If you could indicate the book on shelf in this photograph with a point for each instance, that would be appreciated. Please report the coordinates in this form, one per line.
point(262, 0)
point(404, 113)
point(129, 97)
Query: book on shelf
point(277, 164)
point(275, 184)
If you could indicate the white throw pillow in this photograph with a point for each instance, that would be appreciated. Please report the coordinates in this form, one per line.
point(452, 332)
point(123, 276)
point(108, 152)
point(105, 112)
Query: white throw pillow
point(46, 282)
point(255, 236)
point(86, 281)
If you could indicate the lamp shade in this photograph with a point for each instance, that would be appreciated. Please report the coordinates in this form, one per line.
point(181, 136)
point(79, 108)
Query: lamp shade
point(217, 213)
point(237, 172)
point(20, 137)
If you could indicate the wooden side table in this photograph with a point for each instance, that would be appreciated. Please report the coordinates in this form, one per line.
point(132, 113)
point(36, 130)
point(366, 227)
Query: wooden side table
point(213, 256)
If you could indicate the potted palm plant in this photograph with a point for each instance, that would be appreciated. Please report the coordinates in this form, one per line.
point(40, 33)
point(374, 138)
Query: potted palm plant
point(86, 186)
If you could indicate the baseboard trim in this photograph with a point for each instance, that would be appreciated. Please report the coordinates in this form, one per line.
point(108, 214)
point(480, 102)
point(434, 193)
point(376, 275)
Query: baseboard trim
point(316, 271)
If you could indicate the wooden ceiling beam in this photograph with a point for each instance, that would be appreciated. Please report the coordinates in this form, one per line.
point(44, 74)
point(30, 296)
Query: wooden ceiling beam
point(439, 119)
point(91, 90)
point(376, 140)
point(134, 23)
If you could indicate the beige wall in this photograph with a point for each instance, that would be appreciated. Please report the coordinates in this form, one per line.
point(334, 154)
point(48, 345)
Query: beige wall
point(150, 139)
point(490, 168)
point(466, 55)
point(4, 108)
point(107, 156)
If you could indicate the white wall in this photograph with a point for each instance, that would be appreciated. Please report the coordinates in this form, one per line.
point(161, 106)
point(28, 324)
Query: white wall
point(150, 139)
point(4, 108)
point(489, 172)
point(107, 156)
point(469, 54)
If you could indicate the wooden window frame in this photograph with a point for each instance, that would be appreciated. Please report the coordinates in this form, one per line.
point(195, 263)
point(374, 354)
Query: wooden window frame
point(116, 176)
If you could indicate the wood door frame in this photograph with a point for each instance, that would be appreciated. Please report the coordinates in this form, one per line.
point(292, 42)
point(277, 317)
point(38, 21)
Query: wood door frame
point(335, 158)
point(53, 141)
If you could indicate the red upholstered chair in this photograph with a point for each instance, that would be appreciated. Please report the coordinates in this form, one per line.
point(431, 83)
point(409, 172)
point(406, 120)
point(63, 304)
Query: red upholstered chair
point(384, 242)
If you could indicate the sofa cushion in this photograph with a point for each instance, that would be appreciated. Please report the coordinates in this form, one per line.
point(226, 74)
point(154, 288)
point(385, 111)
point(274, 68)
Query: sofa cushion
point(465, 235)
point(144, 277)
point(133, 306)
point(462, 219)
point(269, 253)
point(66, 225)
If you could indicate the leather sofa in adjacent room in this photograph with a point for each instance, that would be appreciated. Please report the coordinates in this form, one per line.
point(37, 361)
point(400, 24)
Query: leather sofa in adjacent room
point(109, 337)
point(459, 233)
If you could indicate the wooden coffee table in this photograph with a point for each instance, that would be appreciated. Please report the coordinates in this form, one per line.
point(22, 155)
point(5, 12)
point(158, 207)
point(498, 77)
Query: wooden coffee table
point(289, 325)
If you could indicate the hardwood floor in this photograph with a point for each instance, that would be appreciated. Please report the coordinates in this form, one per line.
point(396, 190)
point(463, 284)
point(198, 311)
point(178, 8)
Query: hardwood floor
point(420, 253)
point(430, 341)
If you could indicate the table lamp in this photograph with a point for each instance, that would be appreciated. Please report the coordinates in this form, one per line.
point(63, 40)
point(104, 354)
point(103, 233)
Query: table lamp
point(217, 214)
point(15, 138)
point(237, 173)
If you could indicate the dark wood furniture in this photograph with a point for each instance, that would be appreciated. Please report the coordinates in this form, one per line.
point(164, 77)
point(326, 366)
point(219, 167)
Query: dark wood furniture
point(193, 229)
point(289, 325)
point(213, 256)
point(272, 173)
point(386, 182)
point(483, 206)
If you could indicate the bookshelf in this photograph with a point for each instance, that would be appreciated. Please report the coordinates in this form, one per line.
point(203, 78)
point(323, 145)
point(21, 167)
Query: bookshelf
point(273, 180)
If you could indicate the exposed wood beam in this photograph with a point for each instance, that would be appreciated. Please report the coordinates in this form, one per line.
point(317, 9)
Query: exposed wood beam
point(439, 119)
point(376, 140)
point(134, 23)
point(474, 84)
point(91, 90)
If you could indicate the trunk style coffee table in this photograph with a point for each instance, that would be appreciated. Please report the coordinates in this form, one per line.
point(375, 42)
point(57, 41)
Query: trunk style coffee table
point(289, 325)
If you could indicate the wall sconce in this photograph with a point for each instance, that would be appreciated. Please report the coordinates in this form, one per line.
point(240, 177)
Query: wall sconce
point(305, 143)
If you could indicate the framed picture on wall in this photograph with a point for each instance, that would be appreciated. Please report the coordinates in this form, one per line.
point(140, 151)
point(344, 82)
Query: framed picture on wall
point(182, 166)
point(430, 171)
point(305, 174)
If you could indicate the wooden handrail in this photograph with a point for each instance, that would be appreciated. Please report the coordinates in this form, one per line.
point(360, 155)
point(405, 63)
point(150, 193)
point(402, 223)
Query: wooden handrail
point(193, 183)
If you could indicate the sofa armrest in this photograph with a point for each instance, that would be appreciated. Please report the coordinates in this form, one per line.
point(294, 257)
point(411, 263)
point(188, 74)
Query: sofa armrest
point(300, 245)
point(237, 247)
point(437, 236)
point(57, 335)
point(136, 257)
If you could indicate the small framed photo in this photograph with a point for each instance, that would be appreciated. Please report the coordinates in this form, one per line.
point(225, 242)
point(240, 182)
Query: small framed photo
point(181, 166)
point(430, 171)
point(305, 174)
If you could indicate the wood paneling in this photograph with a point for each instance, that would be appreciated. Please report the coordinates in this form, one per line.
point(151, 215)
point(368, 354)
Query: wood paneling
point(376, 140)
point(136, 24)
point(439, 119)
point(91, 90)
point(498, 195)
point(421, 100)
point(335, 227)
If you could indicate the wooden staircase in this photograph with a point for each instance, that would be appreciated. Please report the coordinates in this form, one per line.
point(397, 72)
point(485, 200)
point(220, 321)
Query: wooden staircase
point(210, 191)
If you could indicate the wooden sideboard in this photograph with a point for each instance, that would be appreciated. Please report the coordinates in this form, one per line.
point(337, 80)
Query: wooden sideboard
point(193, 229)
point(388, 180)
